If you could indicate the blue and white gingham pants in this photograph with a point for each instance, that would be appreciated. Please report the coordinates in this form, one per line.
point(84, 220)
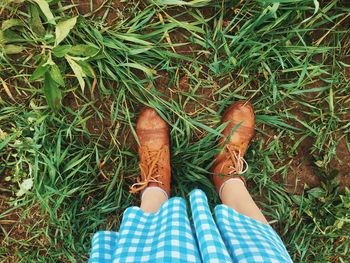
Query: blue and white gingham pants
point(167, 236)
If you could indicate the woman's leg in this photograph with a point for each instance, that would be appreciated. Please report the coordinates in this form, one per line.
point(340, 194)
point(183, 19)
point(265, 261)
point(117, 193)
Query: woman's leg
point(235, 195)
point(245, 238)
point(152, 198)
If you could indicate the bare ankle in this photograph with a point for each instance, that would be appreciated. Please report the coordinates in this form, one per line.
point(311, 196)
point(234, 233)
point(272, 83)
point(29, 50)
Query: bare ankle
point(152, 198)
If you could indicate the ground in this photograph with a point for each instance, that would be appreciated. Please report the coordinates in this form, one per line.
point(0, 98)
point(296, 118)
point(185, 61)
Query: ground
point(74, 75)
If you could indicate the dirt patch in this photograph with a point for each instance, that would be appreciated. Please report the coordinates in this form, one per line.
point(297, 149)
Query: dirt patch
point(341, 163)
point(18, 96)
point(301, 175)
point(97, 124)
point(99, 8)
point(301, 172)
point(181, 38)
point(99, 116)
point(161, 83)
point(17, 223)
point(324, 33)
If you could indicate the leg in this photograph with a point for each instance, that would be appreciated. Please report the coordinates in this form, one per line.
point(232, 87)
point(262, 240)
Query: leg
point(235, 195)
point(152, 198)
point(246, 239)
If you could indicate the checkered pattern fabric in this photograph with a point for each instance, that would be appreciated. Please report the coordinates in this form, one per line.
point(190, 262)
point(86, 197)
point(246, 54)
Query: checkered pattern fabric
point(210, 243)
point(167, 236)
point(248, 240)
point(103, 246)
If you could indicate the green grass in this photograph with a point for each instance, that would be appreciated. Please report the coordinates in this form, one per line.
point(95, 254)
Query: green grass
point(68, 107)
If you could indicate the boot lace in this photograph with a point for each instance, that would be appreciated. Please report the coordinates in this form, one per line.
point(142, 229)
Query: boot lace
point(149, 170)
point(239, 164)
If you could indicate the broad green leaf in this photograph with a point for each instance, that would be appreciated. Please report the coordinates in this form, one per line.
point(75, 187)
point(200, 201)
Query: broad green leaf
point(35, 21)
point(11, 23)
point(86, 68)
point(78, 71)
point(56, 75)
point(10, 37)
point(44, 6)
point(61, 51)
point(39, 72)
point(83, 50)
point(63, 29)
point(13, 49)
point(52, 93)
point(317, 192)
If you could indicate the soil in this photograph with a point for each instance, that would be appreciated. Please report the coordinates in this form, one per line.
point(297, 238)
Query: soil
point(19, 231)
point(99, 8)
point(96, 124)
point(301, 173)
point(342, 163)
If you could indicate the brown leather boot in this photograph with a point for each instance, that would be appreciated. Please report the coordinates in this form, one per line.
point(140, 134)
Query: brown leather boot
point(153, 134)
point(229, 162)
